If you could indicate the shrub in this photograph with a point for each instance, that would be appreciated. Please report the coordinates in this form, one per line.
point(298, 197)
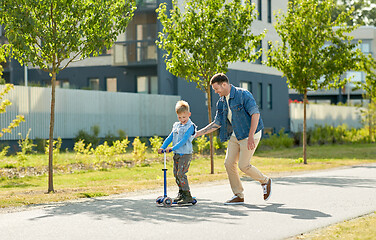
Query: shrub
point(139, 150)
point(156, 143)
point(89, 138)
point(280, 140)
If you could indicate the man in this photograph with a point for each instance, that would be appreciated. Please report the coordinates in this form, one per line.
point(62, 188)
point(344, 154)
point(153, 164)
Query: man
point(242, 125)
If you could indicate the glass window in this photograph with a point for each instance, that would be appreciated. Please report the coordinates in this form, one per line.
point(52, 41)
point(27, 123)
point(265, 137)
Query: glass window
point(94, 83)
point(66, 84)
point(154, 85)
point(269, 11)
point(259, 60)
point(111, 84)
point(269, 97)
point(246, 85)
point(147, 84)
point(259, 9)
point(142, 85)
point(259, 96)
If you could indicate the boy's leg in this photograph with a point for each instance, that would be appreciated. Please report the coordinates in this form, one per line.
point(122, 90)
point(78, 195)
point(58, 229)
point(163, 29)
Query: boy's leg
point(175, 171)
point(245, 159)
point(231, 160)
point(182, 168)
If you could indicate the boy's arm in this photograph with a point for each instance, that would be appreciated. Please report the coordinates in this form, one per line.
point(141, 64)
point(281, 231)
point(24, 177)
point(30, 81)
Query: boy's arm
point(167, 141)
point(185, 138)
point(208, 129)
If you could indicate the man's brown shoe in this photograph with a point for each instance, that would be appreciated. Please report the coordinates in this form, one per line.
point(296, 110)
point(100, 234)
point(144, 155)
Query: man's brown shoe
point(267, 187)
point(235, 200)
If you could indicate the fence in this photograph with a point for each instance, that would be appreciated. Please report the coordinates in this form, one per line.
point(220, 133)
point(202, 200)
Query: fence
point(324, 114)
point(136, 114)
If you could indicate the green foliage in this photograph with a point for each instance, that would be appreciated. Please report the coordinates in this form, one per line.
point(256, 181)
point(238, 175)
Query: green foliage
point(156, 143)
point(111, 138)
point(4, 151)
point(26, 146)
point(4, 104)
point(89, 138)
point(40, 145)
point(277, 141)
point(81, 148)
point(322, 135)
point(304, 55)
point(208, 35)
point(139, 150)
point(56, 146)
point(202, 143)
point(45, 32)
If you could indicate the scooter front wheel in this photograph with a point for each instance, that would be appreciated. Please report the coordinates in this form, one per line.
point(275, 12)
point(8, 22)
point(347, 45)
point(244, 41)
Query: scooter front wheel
point(167, 202)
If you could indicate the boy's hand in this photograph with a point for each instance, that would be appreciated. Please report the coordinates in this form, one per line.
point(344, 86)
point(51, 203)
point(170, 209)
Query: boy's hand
point(160, 151)
point(169, 149)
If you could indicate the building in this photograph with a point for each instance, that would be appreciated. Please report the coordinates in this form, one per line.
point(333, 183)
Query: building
point(347, 94)
point(135, 64)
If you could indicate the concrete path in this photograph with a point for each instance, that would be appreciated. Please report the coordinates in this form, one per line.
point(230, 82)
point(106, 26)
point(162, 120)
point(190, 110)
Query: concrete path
point(298, 204)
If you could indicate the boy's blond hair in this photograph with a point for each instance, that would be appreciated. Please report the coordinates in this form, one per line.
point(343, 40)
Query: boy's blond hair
point(181, 106)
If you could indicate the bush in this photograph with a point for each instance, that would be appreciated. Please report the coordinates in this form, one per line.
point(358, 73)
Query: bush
point(89, 138)
point(280, 140)
point(139, 150)
point(156, 143)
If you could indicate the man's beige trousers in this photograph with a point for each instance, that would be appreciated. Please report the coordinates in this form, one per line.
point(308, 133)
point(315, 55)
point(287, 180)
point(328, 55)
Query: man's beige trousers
point(238, 154)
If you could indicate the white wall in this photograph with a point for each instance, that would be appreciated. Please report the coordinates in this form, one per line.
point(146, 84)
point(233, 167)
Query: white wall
point(323, 114)
point(136, 114)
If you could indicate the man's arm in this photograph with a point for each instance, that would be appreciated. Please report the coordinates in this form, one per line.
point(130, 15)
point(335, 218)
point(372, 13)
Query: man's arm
point(208, 129)
point(252, 130)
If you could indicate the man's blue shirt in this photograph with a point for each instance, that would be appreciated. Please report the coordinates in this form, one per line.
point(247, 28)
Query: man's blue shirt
point(243, 106)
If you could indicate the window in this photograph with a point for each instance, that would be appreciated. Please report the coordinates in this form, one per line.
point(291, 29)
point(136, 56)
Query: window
point(269, 97)
point(94, 83)
point(147, 84)
point(269, 11)
point(246, 85)
point(111, 84)
point(66, 84)
point(259, 96)
point(259, 9)
point(259, 60)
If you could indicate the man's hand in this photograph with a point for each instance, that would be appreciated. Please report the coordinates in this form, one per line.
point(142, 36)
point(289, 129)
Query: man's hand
point(251, 143)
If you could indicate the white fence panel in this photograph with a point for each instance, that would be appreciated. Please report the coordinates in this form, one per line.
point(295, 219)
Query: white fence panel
point(136, 114)
point(323, 114)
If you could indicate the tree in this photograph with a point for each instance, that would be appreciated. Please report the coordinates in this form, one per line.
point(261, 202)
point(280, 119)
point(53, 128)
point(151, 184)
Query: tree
point(205, 38)
point(369, 86)
point(364, 12)
point(315, 50)
point(50, 34)
point(3, 105)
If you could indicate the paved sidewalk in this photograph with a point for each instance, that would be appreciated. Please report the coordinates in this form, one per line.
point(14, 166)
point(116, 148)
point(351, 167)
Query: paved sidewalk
point(298, 204)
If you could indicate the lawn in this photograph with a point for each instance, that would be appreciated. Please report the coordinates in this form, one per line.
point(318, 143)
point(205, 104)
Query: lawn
point(96, 180)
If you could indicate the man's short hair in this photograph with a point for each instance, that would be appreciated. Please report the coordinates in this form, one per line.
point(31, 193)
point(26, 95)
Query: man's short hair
point(181, 106)
point(219, 78)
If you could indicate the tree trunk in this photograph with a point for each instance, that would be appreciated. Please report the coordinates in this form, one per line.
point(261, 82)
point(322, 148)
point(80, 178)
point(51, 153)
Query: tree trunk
point(370, 115)
point(305, 128)
point(51, 138)
point(211, 134)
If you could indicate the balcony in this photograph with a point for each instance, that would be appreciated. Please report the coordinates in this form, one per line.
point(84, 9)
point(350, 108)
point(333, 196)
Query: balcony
point(134, 53)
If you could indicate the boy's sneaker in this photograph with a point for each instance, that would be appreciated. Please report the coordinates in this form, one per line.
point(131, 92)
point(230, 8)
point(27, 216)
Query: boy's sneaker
point(179, 196)
point(267, 187)
point(186, 198)
point(235, 200)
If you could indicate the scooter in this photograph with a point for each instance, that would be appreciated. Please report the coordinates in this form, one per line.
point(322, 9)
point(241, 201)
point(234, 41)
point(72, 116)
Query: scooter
point(164, 200)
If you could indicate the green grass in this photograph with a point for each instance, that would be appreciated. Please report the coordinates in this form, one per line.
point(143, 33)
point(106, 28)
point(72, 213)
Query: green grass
point(88, 183)
point(362, 228)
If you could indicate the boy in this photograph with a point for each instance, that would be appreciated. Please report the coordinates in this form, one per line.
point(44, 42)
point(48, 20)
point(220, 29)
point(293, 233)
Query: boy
point(181, 136)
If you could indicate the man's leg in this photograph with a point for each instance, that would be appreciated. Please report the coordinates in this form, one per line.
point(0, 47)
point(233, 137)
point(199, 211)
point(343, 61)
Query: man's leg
point(245, 156)
point(231, 160)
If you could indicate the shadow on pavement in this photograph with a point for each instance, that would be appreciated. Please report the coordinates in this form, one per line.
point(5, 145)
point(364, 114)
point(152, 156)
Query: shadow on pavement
point(130, 210)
